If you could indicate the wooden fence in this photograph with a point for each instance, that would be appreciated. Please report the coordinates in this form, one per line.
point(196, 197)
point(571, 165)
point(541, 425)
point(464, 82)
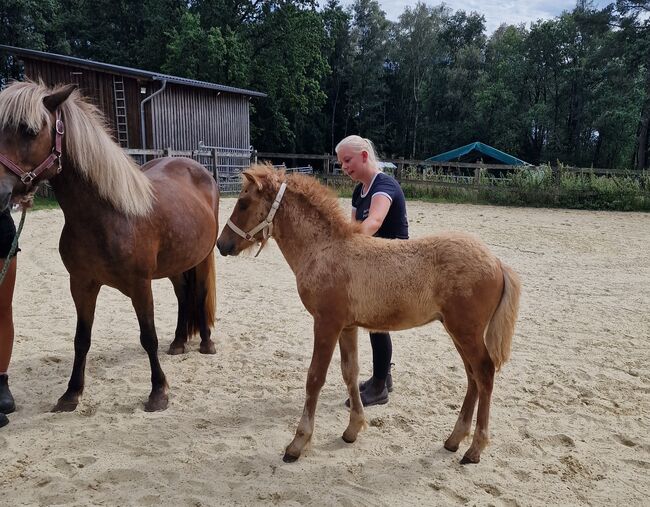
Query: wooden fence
point(419, 177)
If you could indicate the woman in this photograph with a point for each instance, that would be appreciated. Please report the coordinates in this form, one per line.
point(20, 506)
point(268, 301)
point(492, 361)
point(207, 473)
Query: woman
point(378, 203)
point(7, 234)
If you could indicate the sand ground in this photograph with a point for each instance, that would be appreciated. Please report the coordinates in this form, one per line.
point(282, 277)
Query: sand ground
point(570, 415)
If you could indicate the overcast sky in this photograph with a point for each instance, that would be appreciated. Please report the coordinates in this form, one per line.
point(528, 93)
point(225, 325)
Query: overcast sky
point(496, 12)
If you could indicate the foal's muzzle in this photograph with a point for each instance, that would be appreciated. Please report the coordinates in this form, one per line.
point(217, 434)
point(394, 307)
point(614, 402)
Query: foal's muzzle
point(225, 247)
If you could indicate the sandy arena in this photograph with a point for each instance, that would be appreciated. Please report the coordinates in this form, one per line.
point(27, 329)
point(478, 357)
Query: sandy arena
point(570, 419)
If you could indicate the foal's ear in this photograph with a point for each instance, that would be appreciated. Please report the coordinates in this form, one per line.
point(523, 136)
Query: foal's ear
point(253, 179)
point(58, 97)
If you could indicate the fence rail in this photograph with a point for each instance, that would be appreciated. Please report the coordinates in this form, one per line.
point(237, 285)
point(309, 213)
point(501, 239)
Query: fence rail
point(226, 165)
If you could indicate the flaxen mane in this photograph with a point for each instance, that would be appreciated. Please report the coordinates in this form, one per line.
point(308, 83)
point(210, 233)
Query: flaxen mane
point(87, 144)
point(321, 199)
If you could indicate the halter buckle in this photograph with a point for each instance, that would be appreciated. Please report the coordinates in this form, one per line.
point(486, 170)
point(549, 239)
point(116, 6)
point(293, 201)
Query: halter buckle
point(59, 127)
point(27, 178)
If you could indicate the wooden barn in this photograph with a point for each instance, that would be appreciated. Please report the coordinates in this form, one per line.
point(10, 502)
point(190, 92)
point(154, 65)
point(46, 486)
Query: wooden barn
point(164, 111)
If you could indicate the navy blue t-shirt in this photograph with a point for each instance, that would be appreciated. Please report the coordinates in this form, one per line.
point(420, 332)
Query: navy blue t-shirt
point(396, 223)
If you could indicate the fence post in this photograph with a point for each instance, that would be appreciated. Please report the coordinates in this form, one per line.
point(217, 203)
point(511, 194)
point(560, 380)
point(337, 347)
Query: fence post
point(254, 157)
point(555, 172)
point(326, 163)
point(167, 152)
point(400, 169)
point(215, 169)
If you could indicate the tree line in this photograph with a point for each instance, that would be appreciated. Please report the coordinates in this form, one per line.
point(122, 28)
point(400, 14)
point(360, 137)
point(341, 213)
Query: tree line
point(574, 89)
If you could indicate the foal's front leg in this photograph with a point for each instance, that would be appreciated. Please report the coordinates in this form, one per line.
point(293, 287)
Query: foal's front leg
point(142, 300)
point(348, 344)
point(84, 294)
point(326, 334)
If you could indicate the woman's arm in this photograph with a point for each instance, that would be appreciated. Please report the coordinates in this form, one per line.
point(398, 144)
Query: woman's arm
point(379, 207)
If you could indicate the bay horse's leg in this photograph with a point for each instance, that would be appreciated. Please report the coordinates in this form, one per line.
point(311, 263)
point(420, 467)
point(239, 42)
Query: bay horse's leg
point(84, 294)
point(326, 334)
point(348, 344)
point(483, 370)
point(142, 300)
point(180, 335)
point(463, 425)
point(206, 301)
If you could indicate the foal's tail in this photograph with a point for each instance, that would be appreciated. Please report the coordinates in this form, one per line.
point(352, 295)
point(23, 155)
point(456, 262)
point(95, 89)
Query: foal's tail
point(498, 337)
point(201, 295)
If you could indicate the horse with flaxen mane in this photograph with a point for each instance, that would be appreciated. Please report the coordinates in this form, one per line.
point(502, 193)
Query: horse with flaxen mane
point(124, 225)
point(450, 277)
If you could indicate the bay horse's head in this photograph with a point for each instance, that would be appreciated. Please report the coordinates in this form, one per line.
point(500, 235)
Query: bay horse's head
point(31, 133)
point(251, 221)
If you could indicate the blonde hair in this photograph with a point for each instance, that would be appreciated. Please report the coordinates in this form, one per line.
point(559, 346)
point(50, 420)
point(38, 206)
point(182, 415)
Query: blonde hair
point(359, 144)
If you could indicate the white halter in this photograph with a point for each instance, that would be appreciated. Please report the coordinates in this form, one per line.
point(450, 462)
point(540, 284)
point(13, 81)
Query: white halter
point(266, 226)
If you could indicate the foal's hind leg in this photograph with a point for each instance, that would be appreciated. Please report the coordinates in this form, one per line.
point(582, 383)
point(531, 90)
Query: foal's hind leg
point(84, 293)
point(142, 300)
point(350, 369)
point(467, 335)
point(463, 425)
point(483, 371)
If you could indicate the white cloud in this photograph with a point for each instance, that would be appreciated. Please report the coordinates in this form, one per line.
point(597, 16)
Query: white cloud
point(496, 12)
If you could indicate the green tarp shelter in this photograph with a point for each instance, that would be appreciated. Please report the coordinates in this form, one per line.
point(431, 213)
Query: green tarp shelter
point(477, 150)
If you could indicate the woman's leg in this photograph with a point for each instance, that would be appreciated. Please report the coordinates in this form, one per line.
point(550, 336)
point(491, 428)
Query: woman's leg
point(375, 389)
point(7, 404)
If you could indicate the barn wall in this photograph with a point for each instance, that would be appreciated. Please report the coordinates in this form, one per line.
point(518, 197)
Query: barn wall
point(179, 117)
point(95, 86)
point(183, 116)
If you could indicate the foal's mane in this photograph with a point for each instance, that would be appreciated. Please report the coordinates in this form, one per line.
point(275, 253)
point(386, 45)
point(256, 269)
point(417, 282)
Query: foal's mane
point(87, 144)
point(310, 191)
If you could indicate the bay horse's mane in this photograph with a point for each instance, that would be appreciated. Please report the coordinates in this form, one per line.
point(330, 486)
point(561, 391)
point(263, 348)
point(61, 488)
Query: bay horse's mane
point(87, 144)
point(320, 198)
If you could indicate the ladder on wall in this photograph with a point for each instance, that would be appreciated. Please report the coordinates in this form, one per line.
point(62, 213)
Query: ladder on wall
point(120, 112)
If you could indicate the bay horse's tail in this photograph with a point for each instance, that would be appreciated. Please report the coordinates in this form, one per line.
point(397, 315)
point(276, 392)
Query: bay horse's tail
point(498, 338)
point(201, 292)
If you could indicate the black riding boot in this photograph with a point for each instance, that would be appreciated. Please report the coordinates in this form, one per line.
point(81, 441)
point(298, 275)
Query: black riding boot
point(7, 404)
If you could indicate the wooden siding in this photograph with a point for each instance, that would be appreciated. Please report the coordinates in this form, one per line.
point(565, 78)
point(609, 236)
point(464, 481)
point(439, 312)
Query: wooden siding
point(217, 119)
point(95, 86)
point(179, 118)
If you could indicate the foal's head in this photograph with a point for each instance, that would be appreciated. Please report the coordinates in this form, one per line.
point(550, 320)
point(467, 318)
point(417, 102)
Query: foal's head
point(27, 135)
point(247, 226)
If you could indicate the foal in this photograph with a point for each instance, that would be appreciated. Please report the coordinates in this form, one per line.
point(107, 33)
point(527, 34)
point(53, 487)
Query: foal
point(450, 277)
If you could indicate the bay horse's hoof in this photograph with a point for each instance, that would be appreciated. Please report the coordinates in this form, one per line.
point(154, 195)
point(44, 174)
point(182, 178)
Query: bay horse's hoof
point(288, 458)
point(451, 448)
point(469, 459)
point(156, 403)
point(176, 349)
point(207, 347)
point(65, 404)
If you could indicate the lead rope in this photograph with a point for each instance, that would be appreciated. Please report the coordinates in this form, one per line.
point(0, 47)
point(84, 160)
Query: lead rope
point(14, 247)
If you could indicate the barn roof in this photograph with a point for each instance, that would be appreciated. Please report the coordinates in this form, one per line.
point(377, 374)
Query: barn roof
point(126, 71)
point(477, 146)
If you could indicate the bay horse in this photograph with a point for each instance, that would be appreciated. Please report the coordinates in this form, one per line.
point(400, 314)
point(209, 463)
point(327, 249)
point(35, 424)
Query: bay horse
point(348, 280)
point(124, 225)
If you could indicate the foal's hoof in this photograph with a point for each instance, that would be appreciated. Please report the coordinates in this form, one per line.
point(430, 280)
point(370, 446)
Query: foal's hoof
point(176, 349)
point(66, 404)
point(349, 437)
point(468, 459)
point(207, 347)
point(156, 403)
point(288, 458)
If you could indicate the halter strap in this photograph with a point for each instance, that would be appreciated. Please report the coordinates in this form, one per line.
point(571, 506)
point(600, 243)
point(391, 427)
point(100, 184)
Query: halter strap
point(27, 177)
point(266, 226)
